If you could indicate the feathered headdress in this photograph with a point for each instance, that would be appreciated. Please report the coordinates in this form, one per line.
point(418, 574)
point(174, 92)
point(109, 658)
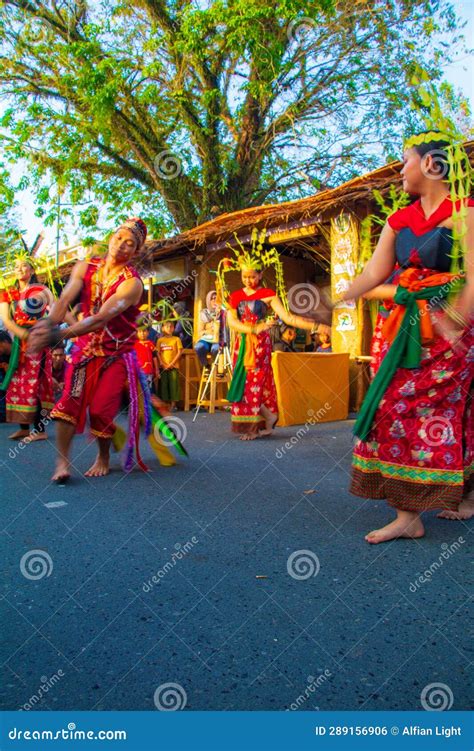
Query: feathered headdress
point(254, 257)
point(453, 162)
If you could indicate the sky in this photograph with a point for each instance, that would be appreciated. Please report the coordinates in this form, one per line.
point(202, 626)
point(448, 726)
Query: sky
point(460, 74)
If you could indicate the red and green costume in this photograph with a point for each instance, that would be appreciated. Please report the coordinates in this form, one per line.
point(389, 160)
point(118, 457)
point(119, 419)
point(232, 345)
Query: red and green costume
point(28, 381)
point(253, 384)
point(104, 368)
point(415, 428)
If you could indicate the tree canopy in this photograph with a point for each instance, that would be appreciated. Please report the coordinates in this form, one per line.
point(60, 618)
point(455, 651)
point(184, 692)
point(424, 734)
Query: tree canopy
point(184, 109)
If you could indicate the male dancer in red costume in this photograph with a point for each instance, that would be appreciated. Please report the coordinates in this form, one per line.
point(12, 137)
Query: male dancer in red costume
point(110, 291)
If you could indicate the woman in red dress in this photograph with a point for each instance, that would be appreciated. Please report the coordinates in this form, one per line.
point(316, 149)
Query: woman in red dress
point(415, 428)
point(28, 382)
point(252, 392)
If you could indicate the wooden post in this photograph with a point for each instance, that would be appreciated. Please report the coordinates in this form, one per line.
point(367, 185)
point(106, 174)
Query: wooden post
point(150, 293)
point(347, 324)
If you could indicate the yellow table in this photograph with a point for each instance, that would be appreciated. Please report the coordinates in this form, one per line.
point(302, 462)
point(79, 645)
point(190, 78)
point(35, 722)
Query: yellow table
point(311, 387)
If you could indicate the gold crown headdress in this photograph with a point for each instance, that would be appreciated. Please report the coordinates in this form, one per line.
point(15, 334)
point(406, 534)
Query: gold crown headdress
point(457, 170)
point(255, 257)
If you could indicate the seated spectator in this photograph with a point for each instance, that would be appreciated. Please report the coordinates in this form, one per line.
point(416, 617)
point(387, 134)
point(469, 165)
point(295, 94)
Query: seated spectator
point(146, 355)
point(58, 370)
point(285, 342)
point(324, 343)
point(211, 334)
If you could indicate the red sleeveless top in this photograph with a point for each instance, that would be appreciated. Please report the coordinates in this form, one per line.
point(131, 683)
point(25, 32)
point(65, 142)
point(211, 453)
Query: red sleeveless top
point(120, 333)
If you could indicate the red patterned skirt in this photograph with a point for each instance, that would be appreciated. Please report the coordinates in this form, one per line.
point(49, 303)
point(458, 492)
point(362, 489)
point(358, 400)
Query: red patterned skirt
point(420, 452)
point(259, 389)
point(31, 387)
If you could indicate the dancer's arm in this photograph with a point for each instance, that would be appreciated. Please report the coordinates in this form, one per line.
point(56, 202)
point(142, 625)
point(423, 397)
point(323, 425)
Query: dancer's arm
point(298, 322)
point(127, 294)
point(246, 328)
point(382, 292)
point(9, 323)
point(377, 269)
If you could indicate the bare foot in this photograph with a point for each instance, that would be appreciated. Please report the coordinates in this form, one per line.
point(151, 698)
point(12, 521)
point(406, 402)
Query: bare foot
point(248, 436)
point(401, 527)
point(36, 437)
point(465, 510)
point(19, 434)
point(99, 468)
point(61, 474)
point(270, 423)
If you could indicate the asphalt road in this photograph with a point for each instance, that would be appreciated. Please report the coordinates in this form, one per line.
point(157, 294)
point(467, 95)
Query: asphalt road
point(241, 576)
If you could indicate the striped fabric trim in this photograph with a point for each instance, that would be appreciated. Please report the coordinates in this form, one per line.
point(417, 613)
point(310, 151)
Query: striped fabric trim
point(410, 474)
point(101, 434)
point(56, 414)
point(245, 418)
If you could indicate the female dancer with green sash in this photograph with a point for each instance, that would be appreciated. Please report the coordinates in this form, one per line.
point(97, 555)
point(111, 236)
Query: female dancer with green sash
point(415, 443)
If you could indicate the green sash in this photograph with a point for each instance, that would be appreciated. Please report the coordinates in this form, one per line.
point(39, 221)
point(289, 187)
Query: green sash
point(12, 364)
point(405, 352)
point(239, 377)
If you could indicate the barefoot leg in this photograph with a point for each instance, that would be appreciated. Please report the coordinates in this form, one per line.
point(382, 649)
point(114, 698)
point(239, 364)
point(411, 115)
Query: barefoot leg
point(407, 524)
point(270, 421)
point(101, 464)
point(64, 435)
